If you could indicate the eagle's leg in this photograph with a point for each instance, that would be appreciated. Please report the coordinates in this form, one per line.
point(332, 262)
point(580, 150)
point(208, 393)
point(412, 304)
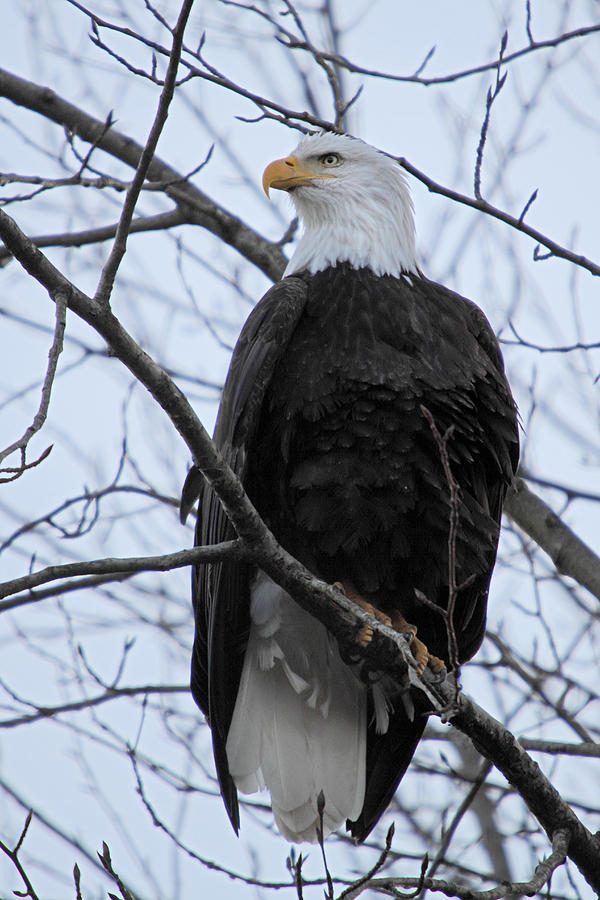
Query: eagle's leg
point(365, 634)
point(420, 652)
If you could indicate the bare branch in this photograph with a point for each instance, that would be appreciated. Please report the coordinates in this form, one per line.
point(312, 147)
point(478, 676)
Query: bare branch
point(492, 95)
point(451, 77)
point(118, 251)
point(559, 748)
point(13, 855)
point(114, 693)
point(568, 552)
point(21, 444)
point(160, 222)
point(117, 568)
point(199, 209)
point(514, 222)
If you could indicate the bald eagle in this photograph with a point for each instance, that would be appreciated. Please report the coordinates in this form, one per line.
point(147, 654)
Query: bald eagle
point(326, 416)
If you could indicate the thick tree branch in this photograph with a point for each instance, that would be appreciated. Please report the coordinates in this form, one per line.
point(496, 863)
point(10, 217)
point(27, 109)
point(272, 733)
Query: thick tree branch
point(498, 745)
point(568, 552)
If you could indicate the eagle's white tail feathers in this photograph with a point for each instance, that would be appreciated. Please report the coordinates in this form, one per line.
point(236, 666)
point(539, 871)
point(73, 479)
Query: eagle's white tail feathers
point(299, 724)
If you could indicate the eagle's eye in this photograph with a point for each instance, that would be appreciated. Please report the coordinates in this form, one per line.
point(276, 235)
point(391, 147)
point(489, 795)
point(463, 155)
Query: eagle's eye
point(330, 159)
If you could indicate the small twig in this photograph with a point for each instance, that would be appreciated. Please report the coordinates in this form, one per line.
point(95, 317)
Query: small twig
point(532, 43)
point(356, 887)
point(118, 251)
point(427, 59)
point(528, 206)
point(77, 880)
point(14, 472)
point(294, 866)
point(539, 256)
point(561, 348)
point(106, 861)
point(321, 840)
point(60, 301)
point(454, 502)
point(491, 96)
point(13, 855)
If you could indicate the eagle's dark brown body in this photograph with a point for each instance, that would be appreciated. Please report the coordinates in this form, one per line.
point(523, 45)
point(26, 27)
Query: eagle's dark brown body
point(324, 419)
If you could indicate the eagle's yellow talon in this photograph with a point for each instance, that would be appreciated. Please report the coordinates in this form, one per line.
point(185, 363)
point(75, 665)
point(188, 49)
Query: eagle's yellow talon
point(349, 591)
point(420, 653)
point(419, 650)
point(364, 636)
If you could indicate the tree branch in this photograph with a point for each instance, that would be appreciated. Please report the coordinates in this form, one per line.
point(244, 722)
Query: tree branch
point(160, 222)
point(515, 222)
point(118, 568)
point(568, 552)
point(112, 693)
point(498, 745)
point(110, 269)
point(40, 416)
point(197, 207)
point(416, 78)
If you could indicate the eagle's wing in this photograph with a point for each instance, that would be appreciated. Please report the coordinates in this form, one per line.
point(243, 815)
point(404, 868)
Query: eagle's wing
point(221, 591)
point(389, 754)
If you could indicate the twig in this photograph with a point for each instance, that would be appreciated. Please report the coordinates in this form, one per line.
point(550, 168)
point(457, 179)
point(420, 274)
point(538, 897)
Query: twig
point(489, 101)
point(13, 855)
point(48, 712)
point(21, 444)
point(563, 348)
point(454, 504)
point(110, 269)
point(357, 886)
point(106, 861)
point(559, 748)
point(119, 567)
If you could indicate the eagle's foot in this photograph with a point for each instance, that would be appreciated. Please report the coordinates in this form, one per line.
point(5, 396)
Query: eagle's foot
point(365, 633)
point(419, 650)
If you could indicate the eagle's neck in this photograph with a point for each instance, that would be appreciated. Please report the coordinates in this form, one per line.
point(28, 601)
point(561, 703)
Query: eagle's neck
point(369, 229)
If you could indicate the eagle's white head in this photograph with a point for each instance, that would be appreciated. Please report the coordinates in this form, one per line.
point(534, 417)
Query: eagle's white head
point(353, 202)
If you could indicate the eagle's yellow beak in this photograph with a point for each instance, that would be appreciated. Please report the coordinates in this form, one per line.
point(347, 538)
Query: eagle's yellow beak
point(287, 173)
